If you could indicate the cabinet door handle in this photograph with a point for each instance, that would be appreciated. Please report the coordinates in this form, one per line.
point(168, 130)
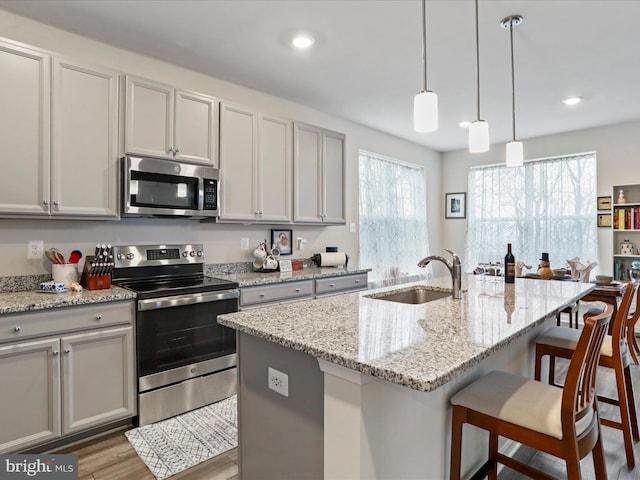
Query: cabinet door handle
point(99, 317)
point(176, 152)
point(56, 352)
point(297, 290)
point(332, 284)
point(67, 350)
point(56, 203)
point(17, 328)
point(170, 150)
point(262, 295)
point(357, 281)
point(45, 203)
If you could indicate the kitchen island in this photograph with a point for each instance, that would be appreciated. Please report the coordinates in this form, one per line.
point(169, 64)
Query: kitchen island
point(369, 380)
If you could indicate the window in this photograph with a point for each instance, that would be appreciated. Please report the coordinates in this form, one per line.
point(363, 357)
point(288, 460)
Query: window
point(548, 205)
point(393, 218)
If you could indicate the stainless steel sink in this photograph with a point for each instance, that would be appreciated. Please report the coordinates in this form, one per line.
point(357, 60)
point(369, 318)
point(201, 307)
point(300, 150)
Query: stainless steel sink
point(414, 296)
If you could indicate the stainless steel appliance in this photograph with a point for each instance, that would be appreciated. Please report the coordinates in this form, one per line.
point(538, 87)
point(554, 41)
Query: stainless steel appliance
point(159, 187)
point(185, 359)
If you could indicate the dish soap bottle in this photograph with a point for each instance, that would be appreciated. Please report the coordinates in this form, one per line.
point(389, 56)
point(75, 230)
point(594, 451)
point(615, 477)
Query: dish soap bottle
point(509, 266)
point(544, 270)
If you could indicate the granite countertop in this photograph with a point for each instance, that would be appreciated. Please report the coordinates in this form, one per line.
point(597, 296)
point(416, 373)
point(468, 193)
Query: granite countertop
point(247, 279)
point(418, 346)
point(26, 301)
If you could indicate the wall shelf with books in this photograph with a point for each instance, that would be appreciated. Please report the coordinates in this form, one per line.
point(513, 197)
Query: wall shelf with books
point(626, 228)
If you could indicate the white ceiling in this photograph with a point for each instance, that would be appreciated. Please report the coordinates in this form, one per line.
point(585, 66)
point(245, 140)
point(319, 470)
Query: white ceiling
point(366, 64)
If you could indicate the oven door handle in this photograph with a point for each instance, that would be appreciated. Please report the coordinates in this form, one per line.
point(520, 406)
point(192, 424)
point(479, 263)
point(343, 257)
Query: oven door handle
point(190, 299)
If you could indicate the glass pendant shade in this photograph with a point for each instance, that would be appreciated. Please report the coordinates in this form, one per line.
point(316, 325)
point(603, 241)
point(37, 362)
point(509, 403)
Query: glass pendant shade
point(515, 154)
point(479, 137)
point(425, 112)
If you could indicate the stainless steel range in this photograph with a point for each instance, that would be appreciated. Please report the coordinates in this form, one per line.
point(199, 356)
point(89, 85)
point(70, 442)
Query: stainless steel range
point(185, 359)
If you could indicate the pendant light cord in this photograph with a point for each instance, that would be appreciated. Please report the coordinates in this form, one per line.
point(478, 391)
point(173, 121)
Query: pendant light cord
point(477, 64)
point(424, 42)
point(513, 83)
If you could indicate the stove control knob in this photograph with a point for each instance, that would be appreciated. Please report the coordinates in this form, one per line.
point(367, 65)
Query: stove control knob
point(130, 256)
point(185, 254)
point(192, 253)
point(121, 256)
point(200, 253)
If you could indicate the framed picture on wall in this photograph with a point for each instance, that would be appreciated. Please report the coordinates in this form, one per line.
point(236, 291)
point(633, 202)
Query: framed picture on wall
point(604, 219)
point(455, 205)
point(281, 239)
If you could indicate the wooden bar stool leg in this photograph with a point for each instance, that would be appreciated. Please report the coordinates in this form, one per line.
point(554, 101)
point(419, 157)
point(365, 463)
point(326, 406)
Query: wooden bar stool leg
point(493, 456)
point(457, 420)
point(632, 403)
point(598, 456)
point(625, 418)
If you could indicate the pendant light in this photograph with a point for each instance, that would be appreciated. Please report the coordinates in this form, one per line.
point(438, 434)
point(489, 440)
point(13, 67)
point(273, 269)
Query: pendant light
point(515, 153)
point(478, 130)
point(425, 103)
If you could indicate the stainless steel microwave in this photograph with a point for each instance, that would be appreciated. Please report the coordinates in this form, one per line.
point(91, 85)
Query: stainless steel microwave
point(157, 187)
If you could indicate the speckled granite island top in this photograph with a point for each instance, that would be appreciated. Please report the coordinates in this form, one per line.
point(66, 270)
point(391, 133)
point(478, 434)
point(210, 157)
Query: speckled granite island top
point(26, 301)
point(418, 346)
point(247, 279)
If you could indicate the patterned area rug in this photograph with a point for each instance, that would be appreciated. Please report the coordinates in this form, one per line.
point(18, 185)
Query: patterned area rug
point(173, 445)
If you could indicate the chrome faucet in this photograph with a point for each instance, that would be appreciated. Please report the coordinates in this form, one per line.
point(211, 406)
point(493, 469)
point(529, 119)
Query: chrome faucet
point(455, 269)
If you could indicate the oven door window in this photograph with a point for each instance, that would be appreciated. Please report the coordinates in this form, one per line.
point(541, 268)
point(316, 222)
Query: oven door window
point(163, 191)
point(173, 337)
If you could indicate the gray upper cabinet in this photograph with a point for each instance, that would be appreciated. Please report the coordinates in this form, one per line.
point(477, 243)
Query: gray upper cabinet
point(255, 166)
point(164, 122)
point(319, 175)
point(25, 130)
point(59, 133)
point(84, 141)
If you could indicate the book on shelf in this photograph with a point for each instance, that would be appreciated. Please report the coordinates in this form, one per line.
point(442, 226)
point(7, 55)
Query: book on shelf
point(626, 218)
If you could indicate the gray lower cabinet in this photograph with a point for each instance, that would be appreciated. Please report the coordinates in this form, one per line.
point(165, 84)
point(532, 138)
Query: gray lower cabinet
point(276, 292)
point(261, 295)
point(340, 284)
point(66, 382)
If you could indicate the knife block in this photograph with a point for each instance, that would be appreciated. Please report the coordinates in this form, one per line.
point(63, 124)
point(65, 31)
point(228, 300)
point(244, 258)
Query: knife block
point(94, 282)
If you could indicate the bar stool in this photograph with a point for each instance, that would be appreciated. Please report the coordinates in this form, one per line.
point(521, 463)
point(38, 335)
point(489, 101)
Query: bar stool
point(572, 310)
point(562, 422)
point(561, 342)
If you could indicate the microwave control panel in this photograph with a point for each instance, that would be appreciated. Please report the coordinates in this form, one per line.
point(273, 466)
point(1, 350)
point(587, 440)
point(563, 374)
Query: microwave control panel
point(210, 194)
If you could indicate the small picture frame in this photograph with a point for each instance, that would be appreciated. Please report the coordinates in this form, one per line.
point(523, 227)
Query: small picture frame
point(604, 203)
point(604, 219)
point(282, 240)
point(455, 205)
point(285, 266)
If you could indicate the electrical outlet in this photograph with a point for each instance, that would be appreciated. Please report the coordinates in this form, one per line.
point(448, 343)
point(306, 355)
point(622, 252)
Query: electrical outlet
point(35, 249)
point(279, 382)
point(244, 243)
point(352, 227)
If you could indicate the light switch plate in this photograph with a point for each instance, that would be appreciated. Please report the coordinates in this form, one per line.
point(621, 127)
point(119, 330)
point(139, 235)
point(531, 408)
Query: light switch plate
point(352, 227)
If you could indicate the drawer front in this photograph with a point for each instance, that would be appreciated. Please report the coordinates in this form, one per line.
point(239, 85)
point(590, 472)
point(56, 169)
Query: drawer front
point(276, 292)
point(47, 322)
point(327, 286)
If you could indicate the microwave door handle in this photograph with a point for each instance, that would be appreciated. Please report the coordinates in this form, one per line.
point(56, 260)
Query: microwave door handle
point(190, 299)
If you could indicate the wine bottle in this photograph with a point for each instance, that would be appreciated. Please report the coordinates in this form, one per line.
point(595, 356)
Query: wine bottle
point(509, 266)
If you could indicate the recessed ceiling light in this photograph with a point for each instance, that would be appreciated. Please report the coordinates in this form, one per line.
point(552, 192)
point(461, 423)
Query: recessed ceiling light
point(464, 124)
point(572, 100)
point(302, 41)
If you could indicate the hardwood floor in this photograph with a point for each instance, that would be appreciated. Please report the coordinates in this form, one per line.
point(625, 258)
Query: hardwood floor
point(113, 458)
